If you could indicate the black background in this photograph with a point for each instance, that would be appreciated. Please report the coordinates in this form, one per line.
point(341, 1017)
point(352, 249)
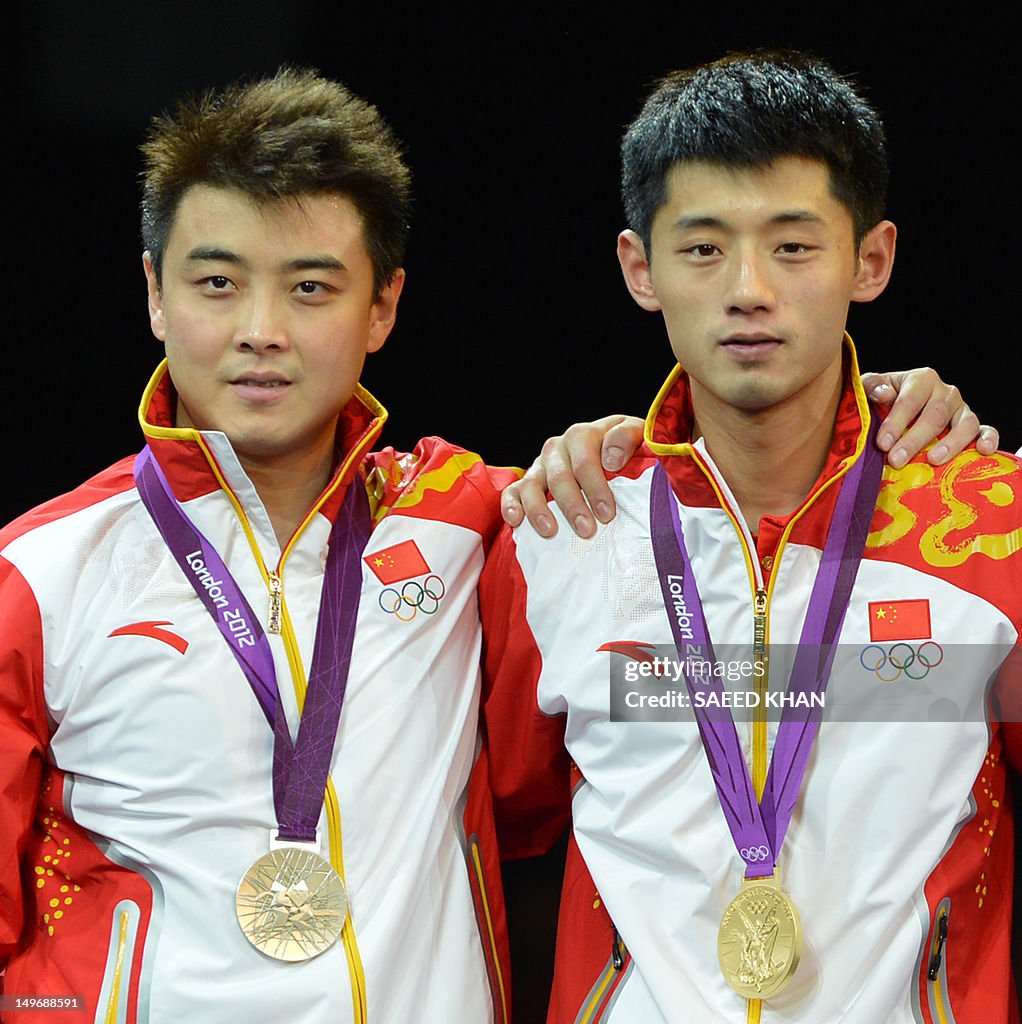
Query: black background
point(514, 321)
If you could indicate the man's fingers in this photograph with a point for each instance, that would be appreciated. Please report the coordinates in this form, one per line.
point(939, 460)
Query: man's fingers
point(989, 440)
point(914, 390)
point(620, 443)
point(555, 471)
point(511, 505)
point(574, 473)
point(572, 468)
point(965, 428)
point(924, 408)
point(878, 388)
point(526, 498)
point(933, 419)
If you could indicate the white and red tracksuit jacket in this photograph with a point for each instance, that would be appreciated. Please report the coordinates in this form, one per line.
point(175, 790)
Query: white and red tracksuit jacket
point(899, 824)
point(135, 762)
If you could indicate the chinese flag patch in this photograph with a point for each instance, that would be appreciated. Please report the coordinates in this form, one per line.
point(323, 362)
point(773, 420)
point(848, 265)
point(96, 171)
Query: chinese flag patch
point(899, 620)
point(399, 562)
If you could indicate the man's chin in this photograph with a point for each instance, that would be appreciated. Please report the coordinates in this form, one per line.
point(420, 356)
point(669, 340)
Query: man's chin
point(753, 396)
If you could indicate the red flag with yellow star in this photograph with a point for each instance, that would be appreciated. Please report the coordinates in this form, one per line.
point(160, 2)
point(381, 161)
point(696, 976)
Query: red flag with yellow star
point(398, 562)
point(899, 620)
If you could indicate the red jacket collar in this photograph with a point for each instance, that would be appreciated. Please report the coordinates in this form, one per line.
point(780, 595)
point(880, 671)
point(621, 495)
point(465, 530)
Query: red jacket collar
point(668, 434)
point(188, 458)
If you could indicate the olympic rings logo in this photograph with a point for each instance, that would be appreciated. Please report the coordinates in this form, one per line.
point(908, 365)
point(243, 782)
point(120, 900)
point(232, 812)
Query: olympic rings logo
point(754, 854)
point(914, 662)
point(412, 598)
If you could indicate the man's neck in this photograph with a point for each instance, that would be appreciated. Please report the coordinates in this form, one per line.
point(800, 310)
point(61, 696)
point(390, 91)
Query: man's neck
point(288, 486)
point(770, 458)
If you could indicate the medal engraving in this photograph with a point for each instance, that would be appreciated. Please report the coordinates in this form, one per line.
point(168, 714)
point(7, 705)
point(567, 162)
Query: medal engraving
point(759, 941)
point(291, 904)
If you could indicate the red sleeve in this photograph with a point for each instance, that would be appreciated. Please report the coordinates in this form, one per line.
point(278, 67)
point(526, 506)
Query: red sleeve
point(23, 741)
point(438, 481)
point(529, 766)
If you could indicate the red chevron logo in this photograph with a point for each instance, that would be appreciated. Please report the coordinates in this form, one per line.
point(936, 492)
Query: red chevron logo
point(635, 650)
point(151, 628)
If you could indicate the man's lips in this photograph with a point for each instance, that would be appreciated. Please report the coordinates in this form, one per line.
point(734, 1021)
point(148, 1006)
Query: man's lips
point(262, 378)
point(751, 346)
point(259, 387)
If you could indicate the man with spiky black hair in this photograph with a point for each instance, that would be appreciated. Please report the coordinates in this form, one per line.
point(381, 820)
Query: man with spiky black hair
point(756, 834)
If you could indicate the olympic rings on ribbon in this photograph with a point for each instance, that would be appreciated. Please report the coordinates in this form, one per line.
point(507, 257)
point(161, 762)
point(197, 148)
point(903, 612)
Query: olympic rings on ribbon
point(412, 598)
point(901, 658)
point(754, 854)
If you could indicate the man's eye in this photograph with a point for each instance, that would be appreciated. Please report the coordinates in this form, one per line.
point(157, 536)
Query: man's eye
point(793, 248)
point(704, 249)
point(310, 287)
point(218, 282)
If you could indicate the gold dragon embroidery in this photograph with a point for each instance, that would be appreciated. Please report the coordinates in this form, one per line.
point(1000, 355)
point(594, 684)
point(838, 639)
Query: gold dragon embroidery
point(960, 488)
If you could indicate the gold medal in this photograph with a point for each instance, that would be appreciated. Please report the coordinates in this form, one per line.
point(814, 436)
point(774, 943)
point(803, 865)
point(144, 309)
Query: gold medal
point(760, 939)
point(291, 904)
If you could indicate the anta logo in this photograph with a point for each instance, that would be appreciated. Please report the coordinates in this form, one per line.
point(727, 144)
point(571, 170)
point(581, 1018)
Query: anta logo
point(639, 652)
point(155, 631)
point(401, 564)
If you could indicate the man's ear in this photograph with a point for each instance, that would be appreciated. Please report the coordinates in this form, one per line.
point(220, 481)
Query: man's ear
point(631, 254)
point(156, 319)
point(384, 311)
point(876, 260)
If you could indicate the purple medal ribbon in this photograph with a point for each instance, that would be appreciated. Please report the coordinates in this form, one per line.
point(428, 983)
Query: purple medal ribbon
point(757, 826)
point(299, 768)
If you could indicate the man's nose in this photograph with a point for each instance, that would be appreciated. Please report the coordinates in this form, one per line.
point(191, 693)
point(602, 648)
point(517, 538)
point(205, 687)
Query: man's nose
point(261, 325)
point(749, 285)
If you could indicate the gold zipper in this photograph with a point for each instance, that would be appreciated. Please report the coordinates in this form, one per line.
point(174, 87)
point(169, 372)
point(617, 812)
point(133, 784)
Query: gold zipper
point(273, 617)
point(936, 968)
point(759, 624)
point(762, 683)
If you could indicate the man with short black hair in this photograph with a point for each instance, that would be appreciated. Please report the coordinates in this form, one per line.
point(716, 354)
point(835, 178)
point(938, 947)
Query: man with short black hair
point(728, 862)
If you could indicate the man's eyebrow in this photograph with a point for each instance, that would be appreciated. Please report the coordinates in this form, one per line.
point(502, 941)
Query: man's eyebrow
point(797, 217)
point(213, 252)
point(315, 263)
point(687, 223)
point(695, 221)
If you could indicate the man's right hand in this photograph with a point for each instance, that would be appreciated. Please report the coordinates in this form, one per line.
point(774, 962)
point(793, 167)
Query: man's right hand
point(573, 467)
